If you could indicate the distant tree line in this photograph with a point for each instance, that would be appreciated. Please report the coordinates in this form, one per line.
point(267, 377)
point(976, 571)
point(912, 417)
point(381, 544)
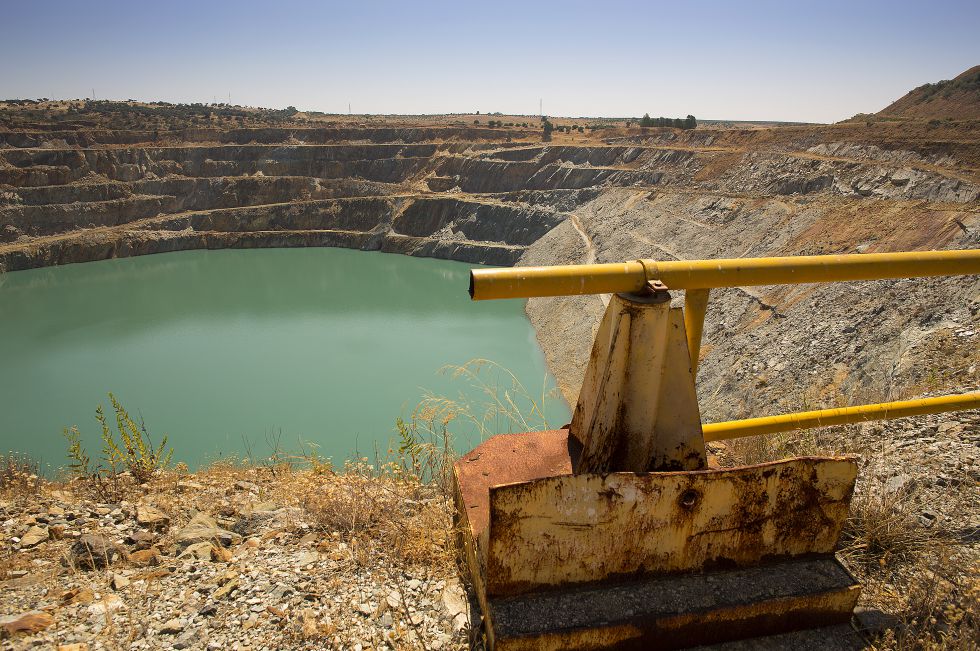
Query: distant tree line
point(501, 123)
point(677, 123)
point(165, 109)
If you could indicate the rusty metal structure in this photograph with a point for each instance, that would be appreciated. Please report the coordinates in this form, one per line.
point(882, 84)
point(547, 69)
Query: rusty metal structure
point(616, 531)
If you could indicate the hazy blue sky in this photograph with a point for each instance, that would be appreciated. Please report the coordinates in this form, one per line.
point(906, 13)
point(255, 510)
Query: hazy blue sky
point(780, 60)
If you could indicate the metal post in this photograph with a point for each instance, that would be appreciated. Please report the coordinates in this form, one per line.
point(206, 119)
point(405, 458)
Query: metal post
point(638, 410)
point(695, 305)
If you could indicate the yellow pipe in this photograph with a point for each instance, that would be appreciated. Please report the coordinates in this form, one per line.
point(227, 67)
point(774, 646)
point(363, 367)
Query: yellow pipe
point(561, 280)
point(525, 282)
point(804, 420)
point(695, 305)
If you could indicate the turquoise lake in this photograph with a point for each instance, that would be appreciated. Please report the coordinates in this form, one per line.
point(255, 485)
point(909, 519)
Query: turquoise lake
point(227, 352)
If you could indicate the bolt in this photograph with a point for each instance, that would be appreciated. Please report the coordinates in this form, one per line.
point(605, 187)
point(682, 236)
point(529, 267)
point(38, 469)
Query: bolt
point(689, 498)
point(657, 290)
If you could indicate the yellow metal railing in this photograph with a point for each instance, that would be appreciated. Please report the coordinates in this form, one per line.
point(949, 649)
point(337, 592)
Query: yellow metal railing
point(698, 277)
point(734, 429)
point(566, 280)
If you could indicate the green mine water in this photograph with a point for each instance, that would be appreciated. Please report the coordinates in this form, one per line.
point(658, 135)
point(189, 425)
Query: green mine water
point(227, 351)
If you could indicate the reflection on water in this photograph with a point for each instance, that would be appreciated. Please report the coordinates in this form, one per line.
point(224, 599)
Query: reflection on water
point(217, 347)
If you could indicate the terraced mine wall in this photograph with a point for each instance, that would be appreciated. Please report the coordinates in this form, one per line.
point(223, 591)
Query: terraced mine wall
point(502, 197)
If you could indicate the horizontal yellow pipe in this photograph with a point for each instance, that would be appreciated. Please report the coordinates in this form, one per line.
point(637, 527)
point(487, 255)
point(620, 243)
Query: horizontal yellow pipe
point(525, 282)
point(807, 419)
point(561, 280)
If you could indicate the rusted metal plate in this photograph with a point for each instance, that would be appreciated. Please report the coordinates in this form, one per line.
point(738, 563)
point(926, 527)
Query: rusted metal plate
point(681, 611)
point(574, 529)
point(638, 410)
point(508, 459)
point(501, 459)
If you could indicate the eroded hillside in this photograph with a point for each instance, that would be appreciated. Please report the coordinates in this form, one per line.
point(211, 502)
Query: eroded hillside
point(951, 99)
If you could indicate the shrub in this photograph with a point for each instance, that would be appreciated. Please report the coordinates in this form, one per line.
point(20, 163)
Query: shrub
point(132, 451)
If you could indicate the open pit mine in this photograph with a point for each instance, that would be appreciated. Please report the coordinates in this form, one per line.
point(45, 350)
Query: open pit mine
point(98, 181)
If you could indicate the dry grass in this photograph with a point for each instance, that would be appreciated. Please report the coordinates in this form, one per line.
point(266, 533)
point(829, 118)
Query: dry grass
point(883, 529)
point(936, 613)
point(917, 570)
point(19, 476)
point(761, 449)
point(386, 512)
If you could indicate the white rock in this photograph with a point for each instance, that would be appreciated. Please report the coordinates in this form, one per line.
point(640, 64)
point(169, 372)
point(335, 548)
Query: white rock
point(454, 599)
point(34, 536)
point(394, 599)
point(108, 604)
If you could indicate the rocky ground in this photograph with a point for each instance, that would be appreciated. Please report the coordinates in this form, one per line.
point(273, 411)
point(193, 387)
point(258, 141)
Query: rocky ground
point(231, 558)
point(277, 557)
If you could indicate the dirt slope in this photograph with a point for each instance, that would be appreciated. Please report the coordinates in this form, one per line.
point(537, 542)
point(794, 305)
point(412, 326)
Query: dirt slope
point(953, 99)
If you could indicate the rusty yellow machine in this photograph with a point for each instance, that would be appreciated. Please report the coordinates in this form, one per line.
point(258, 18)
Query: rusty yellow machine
point(616, 532)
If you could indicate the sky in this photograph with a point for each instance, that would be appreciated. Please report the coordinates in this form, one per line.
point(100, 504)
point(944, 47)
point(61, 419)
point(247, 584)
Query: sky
point(754, 60)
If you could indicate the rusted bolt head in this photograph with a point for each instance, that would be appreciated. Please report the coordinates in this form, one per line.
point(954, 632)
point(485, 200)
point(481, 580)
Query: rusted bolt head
point(657, 290)
point(689, 498)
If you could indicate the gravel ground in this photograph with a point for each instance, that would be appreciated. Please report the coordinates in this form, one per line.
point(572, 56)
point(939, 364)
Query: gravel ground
point(231, 559)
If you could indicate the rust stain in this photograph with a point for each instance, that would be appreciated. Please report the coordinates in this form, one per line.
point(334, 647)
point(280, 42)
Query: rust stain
point(578, 529)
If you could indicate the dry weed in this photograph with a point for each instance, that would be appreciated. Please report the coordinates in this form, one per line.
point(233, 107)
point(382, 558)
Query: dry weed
point(883, 528)
point(381, 512)
point(20, 476)
point(772, 447)
point(934, 612)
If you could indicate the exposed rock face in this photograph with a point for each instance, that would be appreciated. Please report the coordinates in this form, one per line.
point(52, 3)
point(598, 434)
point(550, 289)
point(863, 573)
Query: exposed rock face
point(503, 197)
point(783, 348)
point(474, 195)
